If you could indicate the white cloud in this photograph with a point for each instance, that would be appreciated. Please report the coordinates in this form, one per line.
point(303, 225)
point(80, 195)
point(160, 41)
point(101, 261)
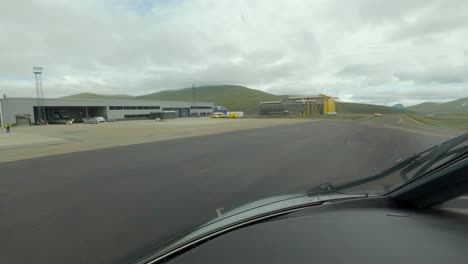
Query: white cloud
point(366, 51)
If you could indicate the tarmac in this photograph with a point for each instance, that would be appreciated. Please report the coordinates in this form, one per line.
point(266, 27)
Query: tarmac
point(113, 204)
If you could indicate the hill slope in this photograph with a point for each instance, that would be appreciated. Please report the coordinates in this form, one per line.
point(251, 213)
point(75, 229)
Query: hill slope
point(355, 108)
point(98, 96)
point(399, 106)
point(231, 96)
point(459, 106)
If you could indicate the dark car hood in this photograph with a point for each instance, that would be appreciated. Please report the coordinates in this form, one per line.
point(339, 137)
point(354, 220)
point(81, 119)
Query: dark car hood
point(248, 213)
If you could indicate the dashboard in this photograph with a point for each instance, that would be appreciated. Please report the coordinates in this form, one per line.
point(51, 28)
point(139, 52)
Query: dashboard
point(372, 230)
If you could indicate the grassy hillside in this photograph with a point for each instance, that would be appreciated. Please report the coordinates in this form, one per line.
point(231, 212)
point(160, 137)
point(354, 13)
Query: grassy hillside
point(235, 98)
point(456, 121)
point(355, 108)
point(459, 106)
point(231, 96)
point(98, 96)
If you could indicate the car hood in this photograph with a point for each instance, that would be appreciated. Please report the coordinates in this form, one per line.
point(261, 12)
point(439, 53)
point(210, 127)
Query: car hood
point(243, 215)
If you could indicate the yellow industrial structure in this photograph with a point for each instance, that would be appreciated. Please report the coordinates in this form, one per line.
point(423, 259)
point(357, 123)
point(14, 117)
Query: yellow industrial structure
point(300, 105)
point(321, 104)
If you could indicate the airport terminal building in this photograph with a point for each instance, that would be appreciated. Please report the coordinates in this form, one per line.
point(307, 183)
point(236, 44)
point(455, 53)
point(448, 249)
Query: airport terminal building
point(25, 111)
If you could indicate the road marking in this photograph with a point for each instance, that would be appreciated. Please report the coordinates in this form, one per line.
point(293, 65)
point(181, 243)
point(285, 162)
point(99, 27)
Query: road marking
point(406, 129)
point(414, 120)
point(400, 121)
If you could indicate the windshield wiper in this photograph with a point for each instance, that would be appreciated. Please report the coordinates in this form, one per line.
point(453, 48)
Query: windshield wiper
point(329, 188)
point(431, 156)
point(439, 153)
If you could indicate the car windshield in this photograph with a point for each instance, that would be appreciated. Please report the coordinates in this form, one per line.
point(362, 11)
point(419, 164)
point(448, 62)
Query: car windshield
point(127, 123)
point(404, 171)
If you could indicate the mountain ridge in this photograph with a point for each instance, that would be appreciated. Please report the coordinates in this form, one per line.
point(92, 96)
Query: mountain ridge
point(233, 97)
point(458, 106)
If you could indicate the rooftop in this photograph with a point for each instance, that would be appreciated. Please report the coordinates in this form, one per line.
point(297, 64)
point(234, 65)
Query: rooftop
point(96, 100)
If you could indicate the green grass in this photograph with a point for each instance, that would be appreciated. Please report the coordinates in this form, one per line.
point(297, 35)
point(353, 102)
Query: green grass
point(337, 117)
point(450, 121)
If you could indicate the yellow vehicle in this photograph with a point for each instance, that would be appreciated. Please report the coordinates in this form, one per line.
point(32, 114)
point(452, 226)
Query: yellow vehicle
point(377, 115)
point(217, 115)
point(233, 115)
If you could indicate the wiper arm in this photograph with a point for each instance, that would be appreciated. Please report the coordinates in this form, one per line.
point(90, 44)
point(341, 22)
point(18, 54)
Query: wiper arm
point(436, 153)
point(327, 188)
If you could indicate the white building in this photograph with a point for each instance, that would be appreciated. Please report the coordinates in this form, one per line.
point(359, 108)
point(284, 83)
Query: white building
point(23, 111)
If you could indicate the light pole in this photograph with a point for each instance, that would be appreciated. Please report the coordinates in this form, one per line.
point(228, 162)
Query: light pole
point(39, 94)
point(194, 98)
point(38, 76)
point(1, 114)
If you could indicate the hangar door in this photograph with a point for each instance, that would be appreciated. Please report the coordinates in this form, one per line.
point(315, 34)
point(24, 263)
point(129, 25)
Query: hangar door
point(180, 112)
point(184, 112)
point(23, 120)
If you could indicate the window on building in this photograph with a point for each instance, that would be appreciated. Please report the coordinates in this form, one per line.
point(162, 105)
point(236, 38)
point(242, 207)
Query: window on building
point(133, 107)
point(201, 107)
point(142, 116)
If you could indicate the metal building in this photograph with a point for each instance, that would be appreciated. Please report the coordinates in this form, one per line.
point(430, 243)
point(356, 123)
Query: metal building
point(23, 111)
point(299, 105)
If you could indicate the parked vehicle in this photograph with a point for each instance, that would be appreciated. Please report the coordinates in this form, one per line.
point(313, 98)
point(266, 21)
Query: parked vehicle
point(59, 117)
point(100, 119)
point(218, 115)
point(92, 120)
point(235, 114)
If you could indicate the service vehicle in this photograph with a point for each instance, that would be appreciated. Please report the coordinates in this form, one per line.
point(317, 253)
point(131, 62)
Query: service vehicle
point(218, 115)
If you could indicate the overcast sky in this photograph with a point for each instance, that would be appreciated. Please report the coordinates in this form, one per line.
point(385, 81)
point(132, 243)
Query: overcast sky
point(383, 52)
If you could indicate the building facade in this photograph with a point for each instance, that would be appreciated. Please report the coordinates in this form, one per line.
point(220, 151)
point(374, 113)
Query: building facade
point(303, 105)
point(23, 111)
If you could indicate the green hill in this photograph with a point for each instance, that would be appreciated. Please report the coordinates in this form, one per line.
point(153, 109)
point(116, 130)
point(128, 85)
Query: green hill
point(355, 108)
point(459, 106)
point(98, 96)
point(232, 97)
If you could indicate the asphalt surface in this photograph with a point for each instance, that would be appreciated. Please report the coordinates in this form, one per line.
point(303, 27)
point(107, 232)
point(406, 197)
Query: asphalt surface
point(110, 205)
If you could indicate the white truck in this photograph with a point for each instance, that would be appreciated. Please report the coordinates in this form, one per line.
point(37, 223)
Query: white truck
point(235, 113)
